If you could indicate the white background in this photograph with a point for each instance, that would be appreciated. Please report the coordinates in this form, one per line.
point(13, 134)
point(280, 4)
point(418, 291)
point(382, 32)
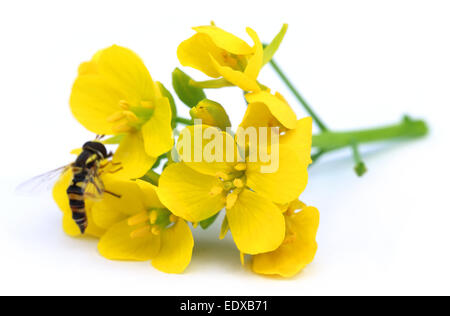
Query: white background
point(360, 63)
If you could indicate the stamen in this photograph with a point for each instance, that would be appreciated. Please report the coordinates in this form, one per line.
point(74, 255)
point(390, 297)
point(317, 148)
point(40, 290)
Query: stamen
point(138, 219)
point(124, 105)
point(195, 224)
point(131, 116)
point(140, 232)
point(173, 218)
point(216, 191)
point(156, 230)
point(290, 238)
point(239, 183)
point(115, 117)
point(241, 166)
point(232, 199)
point(122, 128)
point(153, 217)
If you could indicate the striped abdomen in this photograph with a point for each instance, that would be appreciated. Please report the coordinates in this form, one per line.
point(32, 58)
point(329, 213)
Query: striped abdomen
point(76, 198)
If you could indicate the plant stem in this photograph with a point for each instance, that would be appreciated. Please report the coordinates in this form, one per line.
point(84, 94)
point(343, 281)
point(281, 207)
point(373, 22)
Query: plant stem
point(360, 166)
point(184, 121)
point(299, 97)
point(408, 128)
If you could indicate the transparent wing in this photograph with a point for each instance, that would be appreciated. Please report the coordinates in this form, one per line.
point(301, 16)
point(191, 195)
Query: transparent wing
point(94, 185)
point(43, 182)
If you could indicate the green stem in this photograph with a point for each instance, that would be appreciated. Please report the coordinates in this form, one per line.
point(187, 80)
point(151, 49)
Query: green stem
point(408, 128)
point(360, 166)
point(184, 121)
point(299, 97)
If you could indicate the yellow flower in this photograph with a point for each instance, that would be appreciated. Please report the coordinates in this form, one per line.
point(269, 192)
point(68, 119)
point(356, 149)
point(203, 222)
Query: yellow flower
point(114, 94)
point(149, 234)
point(268, 110)
point(198, 190)
point(299, 246)
point(218, 53)
point(102, 213)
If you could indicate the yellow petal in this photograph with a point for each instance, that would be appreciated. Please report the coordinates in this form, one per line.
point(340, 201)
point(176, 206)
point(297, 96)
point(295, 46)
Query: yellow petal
point(298, 250)
point(124, 68)
point(280, 110)
point(195, 52)
point(256, 224)
point(255, 62)
point(225, 40)
point(112, 209)
point(116, 244)
point(150, 197)
point(205, 149)
point(236, 77)
point(157, 132)
point(177, 244)
point(93, 100)
point(300, 138)
point(187, 193)
point(283, 185)
point(133, 158)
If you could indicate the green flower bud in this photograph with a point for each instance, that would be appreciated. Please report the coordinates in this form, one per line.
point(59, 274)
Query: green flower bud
point(211, 113)
point(190, 95)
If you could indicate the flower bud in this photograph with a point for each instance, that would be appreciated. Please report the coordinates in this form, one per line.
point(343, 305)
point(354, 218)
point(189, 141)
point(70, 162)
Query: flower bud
point(190, 95)
point(211, 113)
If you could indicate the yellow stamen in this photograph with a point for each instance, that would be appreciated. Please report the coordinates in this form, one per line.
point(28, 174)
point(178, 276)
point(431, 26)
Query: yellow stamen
point(138, 219)
point(173, 218)
point(195, 224)
point(153, 217)
point(216, 191)
point(156, 230)
point(147, 104)
point(140, 232)
point(239, 183)
point(122, 128)
point(241, 166)
point(124, 105)
point(115, 117)
point(131, 116)
point(232, 199)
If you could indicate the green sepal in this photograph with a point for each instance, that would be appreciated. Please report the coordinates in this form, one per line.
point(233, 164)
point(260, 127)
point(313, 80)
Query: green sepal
point(114, 140)
point(271, 49)
point(190, 95)
point(209, 221)
point(173, 106)
point(211, 113)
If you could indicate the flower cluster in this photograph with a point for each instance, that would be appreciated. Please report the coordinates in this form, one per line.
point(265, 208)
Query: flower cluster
point(255, 173)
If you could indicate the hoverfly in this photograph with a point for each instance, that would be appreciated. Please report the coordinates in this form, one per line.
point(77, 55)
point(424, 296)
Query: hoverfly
point(86, 182)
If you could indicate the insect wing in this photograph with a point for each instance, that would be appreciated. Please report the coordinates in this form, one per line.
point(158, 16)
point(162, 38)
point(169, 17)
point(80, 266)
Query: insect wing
point(43, 182)
point(94, 185)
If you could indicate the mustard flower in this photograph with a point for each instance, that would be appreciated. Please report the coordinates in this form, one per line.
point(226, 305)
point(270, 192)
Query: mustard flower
point(299, 246)
point(220, 54)
point(114, 94)
point(197, 190)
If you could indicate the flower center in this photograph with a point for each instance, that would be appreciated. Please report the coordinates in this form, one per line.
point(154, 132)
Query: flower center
point(151, 222)
point(231, 184)
point(131, 118)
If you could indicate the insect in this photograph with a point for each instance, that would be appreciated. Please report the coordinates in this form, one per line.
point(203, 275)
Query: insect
point(86, 182)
